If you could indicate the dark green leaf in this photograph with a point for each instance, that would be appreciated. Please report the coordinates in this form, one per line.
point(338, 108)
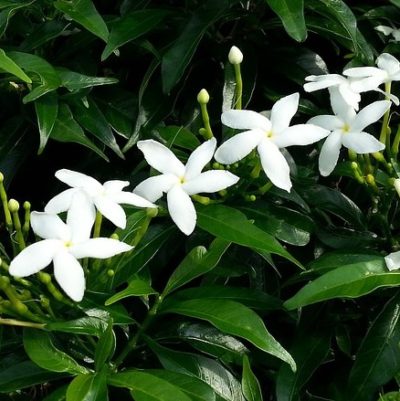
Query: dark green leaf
point(350, 281)
point(44, 32)
point(57, 395)
point(89, 325)
point(84, 13)
point(66, 129)
point(89, 387)
point(22, 375)
point(105, 347)
point(179, 136)
point(131, 26)
point(250, 385)
point(8, 65)
point(136, 287)
point(291, 13)
point(41, 350)
point(232, 225)
point(377, 360)
point(196, 263)
point(10, 8)
point(233, 318)
point(46, 109)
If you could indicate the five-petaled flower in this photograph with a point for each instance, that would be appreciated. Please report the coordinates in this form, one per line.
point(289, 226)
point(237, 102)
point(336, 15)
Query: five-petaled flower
point(179, 181)
point(106, 198)
point(63, 244)
point(268, 136)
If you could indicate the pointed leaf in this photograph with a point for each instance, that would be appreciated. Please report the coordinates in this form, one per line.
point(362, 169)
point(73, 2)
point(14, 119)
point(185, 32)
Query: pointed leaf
point(250, 385)
point(46, 109)
point(105, 347)
point(75, 81)
point(137, 287)
point(89, 325)
point(11, 67)
point(233, 318)
point(89, 387)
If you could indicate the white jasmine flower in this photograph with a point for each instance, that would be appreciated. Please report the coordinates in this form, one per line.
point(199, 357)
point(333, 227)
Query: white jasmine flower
point(387, 30)
point(63, 244)
point(268, 136)
point(106, 198)
point(179, 181)
point(393, 261)
point(347, 129)
point(235, 56)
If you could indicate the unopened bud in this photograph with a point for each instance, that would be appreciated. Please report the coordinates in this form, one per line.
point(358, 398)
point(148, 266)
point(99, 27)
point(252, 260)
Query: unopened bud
point(235, 56)
point(396, 185)
point(13, 205)
point(1, 177)
point(203, 97)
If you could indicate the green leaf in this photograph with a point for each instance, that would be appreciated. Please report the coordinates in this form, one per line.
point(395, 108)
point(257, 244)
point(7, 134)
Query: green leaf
point(41, 350)
point(291, 13)
point(89, 325)
point(349, 281)
point(178, 136)
point(148, 387)
point(92, 119)
point(137, 287)
point(197, 262)
point(57, 395)
point(45, 78)
point(232, 225)
point(105, 347)
point(9, 9)
point(84, 13)
point(250, 385)
point(43, 33)
point(11, 67)
point(75, 81)
point(131, 26)
point(24, 374)
point(88, 387)
point(233, 318)
point(206, 369)
point(46, 109)
point(66, 129)
point(178, 56)
point(377, 360)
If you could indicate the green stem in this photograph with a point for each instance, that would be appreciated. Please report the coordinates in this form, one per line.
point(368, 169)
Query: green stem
point(97, 225)
point(208, 134)
point(384, 137)
point(4, 201)
point(18, 230)
point(14, 322)
point(396, 142)
point(238, 87)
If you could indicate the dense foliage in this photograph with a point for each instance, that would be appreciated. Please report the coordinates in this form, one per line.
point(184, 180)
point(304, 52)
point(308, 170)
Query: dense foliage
point(278, 293)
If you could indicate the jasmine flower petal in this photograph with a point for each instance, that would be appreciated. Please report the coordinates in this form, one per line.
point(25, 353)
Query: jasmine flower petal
point(300, 134)
point(61, 202)
point(111, 210)
point(328, 122)
point(370, 114)
point(210, 181)
point(129, 198)
point(393, 261)
point(361, 142)
point(330, 151)
point(78, 180)
point(49, 226)
point(153, 188)
point(199, 158)
point(245, 119)
point(114, 186)
point(283, 111)
point(100, 248)
point(181, 209)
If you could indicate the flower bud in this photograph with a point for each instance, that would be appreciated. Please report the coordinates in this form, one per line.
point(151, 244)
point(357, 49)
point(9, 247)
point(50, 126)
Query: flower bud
point(13, 205)
point(1, 177)
point(203, 97)
point(396, 185)
point(235, 56)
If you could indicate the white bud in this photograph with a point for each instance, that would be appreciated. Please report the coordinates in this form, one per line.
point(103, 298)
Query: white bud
point(396, 185)
point(235, 56)
point(203, 96)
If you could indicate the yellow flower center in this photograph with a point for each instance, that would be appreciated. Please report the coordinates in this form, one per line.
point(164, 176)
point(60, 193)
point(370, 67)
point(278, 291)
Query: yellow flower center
point(345, 128)
point(67, 244)
point(269, 134)
point(181, 180)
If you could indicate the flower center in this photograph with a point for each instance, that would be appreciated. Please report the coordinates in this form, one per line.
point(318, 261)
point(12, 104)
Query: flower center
point(182, 180)
point(67, 244)
point(345, 128)
point(269, 134)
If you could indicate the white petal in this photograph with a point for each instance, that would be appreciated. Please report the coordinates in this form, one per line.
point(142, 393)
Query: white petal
point(274, 164)
point(161, 158)
point(362, 72)
point(69, 275)
point(114, 186)
point(283, 111)
point(340, 107)
point(362, 142)
point(238, 147)
point(322, 81)
point(153, 188)
point(199, 158)
point(330, 153)
point(209, 182)
point(245, 119)
point(181, 209)
point(300, 134)
point(368, 84)
point(394, 99)
point(386, 30)
point(349, 95)
point(100, 248)
point(330, 123)
point(111, 210)
point(49, 226)
point(388, 63)
point(80, 217)
point(61, 202)
point(129, 198)
point(369, 114)
point(79, 180)
point(35, 257)
point(393, 261)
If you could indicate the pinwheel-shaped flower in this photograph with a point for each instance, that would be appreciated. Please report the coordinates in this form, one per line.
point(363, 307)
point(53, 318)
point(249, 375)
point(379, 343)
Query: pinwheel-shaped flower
point(347, 129)
point(63, 244)
point(106, 198)
point(268, 136)
point(179, 181)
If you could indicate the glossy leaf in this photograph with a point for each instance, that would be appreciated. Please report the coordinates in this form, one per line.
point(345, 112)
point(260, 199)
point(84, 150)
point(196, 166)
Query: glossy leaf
point(350, 281)
point(8, 65)
point(137, 287)
point(179, 136)
point(250, 385)
point(90, 325)
point(197, 262)
point(9, 9)
point(130, 27)
point(84, 13)
point(377, 360)
point(66, 129)
point(232, 225)
point(233, 318)
point(105, 347)
point(291, 13)
point(46, 108)
point(41, 350)
point(224, 384)
point(88, 387)
point(57, 395)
